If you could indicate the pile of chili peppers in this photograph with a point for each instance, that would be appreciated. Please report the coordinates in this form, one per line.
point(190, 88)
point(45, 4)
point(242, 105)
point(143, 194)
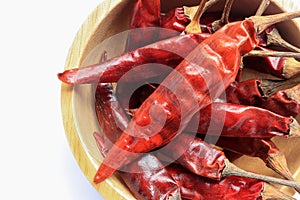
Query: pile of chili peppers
point(210, 113)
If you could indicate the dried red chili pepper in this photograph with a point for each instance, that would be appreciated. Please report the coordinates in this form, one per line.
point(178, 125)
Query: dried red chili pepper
point(282, 67)
point(284, 102)
point(234, 120)
point(231, 187)
point(145, 14)
point(168, 52)
point(264, 149)
point(150, 181)
point(256, 92)
point(218, 61)
point(207, 161)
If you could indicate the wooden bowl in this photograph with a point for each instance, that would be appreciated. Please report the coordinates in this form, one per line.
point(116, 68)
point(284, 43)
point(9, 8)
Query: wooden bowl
point(111, 18)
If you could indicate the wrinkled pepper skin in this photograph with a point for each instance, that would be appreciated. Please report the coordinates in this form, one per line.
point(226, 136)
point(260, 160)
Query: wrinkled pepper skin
point(144, 14)
point(151, 180)
point(201, 188)
point(208, 69)
point(111, 117)
point(196, 155)
point(249, 92)
point(269, 65)
point(234, 120)
point(169, 52)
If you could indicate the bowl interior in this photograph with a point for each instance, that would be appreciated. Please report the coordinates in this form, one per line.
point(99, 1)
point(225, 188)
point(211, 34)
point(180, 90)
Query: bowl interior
point(110, 35)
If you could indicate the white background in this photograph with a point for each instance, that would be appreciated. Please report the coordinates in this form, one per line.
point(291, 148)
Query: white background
point(35, 159)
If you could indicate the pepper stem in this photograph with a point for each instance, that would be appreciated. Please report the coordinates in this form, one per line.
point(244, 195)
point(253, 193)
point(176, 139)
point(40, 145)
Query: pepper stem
point(274, 38)
point(269, 87)
point(263, 22)
point(225, 16)
point(278, 163)
point(260, 53)
point(271, 192)
point(232, 170)
point(194, 26)
point(262, 7)
point(294, 129)
point(294, 93)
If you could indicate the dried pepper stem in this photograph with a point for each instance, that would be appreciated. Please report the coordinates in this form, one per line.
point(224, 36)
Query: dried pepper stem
point(194, 26)
point(263, 22)
point(271, 193)
point(269, 87)
point(231, 170)
point(261, 53)
point(225, 16)
point(274, 38)
point(262, 7)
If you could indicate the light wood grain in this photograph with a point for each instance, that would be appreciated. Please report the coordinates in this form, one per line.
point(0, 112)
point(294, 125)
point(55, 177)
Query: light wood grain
point(108, 19)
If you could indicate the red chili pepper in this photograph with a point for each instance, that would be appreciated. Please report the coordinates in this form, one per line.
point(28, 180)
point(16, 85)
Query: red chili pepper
point(168, 52)
point(145, 14)
point(220, 58)
point(284, 102)
point(254, 92)
point(269, 65)
point(200, 188)
point(146, 177)
point(234, 120)
point(176, 20)
point(264, 149)
point(231, 187)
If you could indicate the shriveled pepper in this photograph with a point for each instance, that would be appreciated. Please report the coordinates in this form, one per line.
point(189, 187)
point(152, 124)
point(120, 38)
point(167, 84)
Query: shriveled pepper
point(168, 52)
point(256, 92)
point(283, 67)
point(234, 120)
point(264, 149)
point(207, 161)
point(146, 177)
point(231, 187)
point(219, 67)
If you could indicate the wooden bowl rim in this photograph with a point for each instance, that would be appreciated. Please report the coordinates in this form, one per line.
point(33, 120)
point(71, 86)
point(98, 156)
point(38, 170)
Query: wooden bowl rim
point(74, 60)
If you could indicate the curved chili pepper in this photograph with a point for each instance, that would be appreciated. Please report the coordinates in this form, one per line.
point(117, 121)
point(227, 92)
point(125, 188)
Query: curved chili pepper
point(168, 52)
point(216, 59)
point(264, 149)
point(234, 120)
point(200, 188)
point(151, 180)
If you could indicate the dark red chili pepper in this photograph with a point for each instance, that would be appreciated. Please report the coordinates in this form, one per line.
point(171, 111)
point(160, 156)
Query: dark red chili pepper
point(219, 67)
point(168, 52)
point(264, 149)
point(255, 92)
point(234, 120)
point(145, 14)
point(146, 177)
point(176, 20)
point(270, 65)
point(284, 102)
point(200, 188)
point(231, 187)
point(207, 161)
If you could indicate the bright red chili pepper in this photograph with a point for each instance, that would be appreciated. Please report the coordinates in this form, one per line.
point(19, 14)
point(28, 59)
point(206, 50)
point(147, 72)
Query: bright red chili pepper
point(234, 120)
point(220, 58)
